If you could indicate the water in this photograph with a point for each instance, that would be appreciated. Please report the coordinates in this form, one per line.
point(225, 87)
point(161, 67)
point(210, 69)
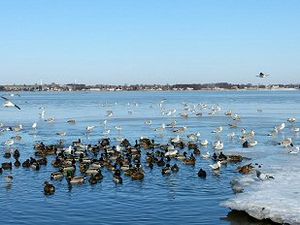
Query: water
point(180, 198)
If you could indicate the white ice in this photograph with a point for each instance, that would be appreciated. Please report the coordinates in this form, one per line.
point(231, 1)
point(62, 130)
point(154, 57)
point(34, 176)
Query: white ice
point(276, 199)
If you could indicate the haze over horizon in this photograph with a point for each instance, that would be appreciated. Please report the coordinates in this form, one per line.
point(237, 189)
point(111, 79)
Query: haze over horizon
point(147, 42)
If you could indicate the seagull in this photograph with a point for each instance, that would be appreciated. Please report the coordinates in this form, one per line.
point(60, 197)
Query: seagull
point(89, 128)
point(160, 129)
point(262, 75)
point(9, 142)
point(263, 176)
point(294, 150)
point(194, 137)
point(42, 113)
point(9, 103)
point(287, 142)
point(61, 133)
point(281, 127)
point(118, 128)
point(204, 142)
point(291, 120)
point(231, 135)
point(218, 130)
point(109, 113)
point(218, 145)
point(34, 126)
point(216, 166)
point(206, 155)
point(148, 122)
point(176, 139)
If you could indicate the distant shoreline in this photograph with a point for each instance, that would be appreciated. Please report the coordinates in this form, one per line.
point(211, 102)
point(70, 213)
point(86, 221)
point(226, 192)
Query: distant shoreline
point(223, 86)
point(111, 91)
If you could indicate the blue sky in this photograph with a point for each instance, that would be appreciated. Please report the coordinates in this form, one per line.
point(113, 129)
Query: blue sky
point(147, 41)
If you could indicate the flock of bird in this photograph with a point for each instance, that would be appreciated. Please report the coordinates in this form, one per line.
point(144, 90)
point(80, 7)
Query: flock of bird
point(79, 162)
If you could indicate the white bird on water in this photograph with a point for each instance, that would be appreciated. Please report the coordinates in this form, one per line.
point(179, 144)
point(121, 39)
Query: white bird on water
point(218, 130)
point(89, 128)
point(160, 129)
point(9, 104)
point(9, 142)
point(216, 166)
point(218, 145)
point(291, 120)
point(281, 127)
point(148, 122)
point(263, 176)
point(34, 126)
point(204, 142)
point(206, 155)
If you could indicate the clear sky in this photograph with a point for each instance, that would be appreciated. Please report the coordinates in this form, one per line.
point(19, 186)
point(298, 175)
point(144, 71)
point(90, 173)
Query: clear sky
point(148, 41)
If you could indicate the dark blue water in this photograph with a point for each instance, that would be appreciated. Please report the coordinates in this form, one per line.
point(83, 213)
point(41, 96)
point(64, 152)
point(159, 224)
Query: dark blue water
point(180, 198)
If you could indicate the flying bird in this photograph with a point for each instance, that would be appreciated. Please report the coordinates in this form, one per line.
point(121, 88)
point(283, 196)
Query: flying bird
point(262, 75)
point(9, 103)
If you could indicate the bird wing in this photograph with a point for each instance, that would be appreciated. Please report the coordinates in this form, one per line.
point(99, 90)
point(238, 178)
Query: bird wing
point(5, 98)
point(17, 107)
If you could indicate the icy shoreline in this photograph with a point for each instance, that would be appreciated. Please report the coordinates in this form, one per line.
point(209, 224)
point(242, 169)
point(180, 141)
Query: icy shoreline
point(278, 199)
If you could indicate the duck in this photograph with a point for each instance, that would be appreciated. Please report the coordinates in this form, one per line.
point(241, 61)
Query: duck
point(202, 173)
point(49, 189)
point(137, 175)
point(190, 161)
point(16, 154)
point(57, 176)
point(117, 177)
point(7, 154)
point(98, 176)
point(76, 180)
point(93, 180)
point(166, 170)
point(9, 179)
point(246, 169)
point(161, 162)
point(7, 166)
point(175, 168)
point(17, 163)
point(171, 153)
point(197, 151)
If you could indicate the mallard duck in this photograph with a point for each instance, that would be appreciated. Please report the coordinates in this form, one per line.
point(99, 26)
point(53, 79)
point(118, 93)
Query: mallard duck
point(118, 179)
point(137, 175)
point(57, 176)
point(246, 169)
point(7, 166)
point(93, 180)
point(190, 161)
point(17, 163)
point(166, 170)
point(49, 189)
point(16, 154)
point(98, 176)
point(76, 180)
point(175, 168)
